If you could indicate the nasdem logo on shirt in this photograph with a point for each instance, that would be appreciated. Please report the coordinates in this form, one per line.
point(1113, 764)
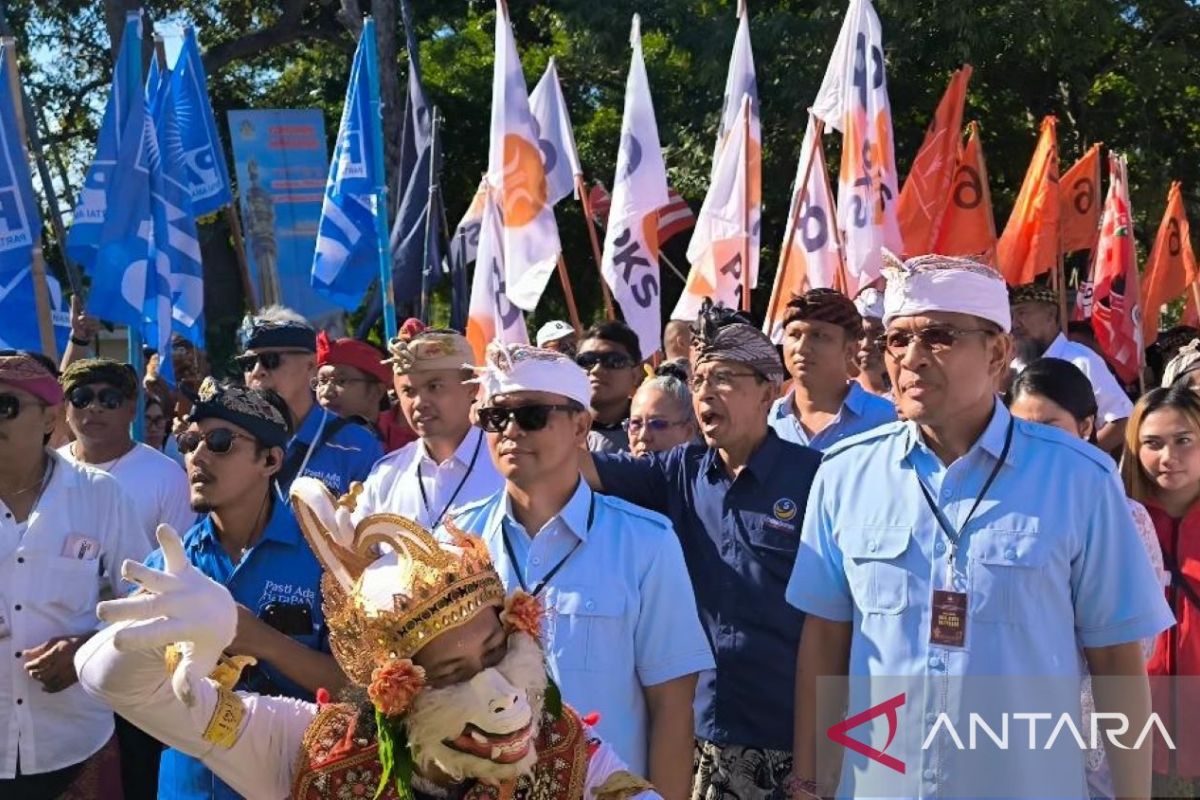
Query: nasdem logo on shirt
point(784, 509)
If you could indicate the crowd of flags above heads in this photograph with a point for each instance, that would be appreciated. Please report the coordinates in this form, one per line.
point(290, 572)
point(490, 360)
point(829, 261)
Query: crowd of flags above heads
point(159, 165)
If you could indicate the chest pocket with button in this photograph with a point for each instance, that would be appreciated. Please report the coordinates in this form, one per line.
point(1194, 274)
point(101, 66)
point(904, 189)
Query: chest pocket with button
point(876, 567)
point(586, 629)
point(1001, 566)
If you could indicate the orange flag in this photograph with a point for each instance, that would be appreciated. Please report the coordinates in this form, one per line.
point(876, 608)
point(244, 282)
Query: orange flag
point(1080, 202)
point(1029, 245)
point(1172, 265)
point(927, 187)
point(968, 227)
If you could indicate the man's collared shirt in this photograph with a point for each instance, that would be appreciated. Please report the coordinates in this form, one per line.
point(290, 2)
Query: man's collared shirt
point(861, 411)
point(54, 568)
point(396, 481)
point(1111, 401)
point(739, 539)
point(346, 456)
point(1050, 562)
point(278, 570)
point(621, 613)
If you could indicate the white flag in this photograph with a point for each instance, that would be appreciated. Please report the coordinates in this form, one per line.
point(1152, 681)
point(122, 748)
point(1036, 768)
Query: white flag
point(630, 261)
point(853, 99)
point(740, 81)
point(491, 315)
point(724, 238)
point(516, 171)
point(555, 136)
point(812, 259)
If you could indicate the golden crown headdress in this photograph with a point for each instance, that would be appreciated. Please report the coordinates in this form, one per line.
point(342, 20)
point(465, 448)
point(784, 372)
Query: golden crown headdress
point(382, 606)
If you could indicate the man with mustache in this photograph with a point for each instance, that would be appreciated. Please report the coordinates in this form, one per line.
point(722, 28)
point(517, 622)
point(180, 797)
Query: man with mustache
point(448, 466)
point(450, 697)
point(736, 501)
point(248, 541)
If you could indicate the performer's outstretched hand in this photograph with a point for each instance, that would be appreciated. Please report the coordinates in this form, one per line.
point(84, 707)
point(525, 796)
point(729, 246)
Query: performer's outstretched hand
point(176, 606)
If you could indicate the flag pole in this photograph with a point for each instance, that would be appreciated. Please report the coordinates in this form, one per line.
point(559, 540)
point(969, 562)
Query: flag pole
point(41, 289)
point(433, 132)
point(746, 202)
point(797, 201)
point(590, 222)
point(381, 206)
point(572, 310)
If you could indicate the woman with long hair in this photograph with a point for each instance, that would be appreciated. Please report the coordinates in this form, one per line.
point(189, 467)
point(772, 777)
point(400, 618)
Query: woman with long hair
point(1162, 470)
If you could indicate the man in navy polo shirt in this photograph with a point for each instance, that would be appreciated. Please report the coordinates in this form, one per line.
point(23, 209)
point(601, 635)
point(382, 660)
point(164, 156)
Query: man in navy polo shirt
point(736, 501)
point(280, 353)
point(249, 541)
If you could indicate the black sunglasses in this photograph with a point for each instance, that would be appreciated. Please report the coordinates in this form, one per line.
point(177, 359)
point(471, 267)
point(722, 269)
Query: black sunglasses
point(608, 360)
point(11, 406)
point(270, 361)
point(109, 398)
point(495, 419)
point(218, 440)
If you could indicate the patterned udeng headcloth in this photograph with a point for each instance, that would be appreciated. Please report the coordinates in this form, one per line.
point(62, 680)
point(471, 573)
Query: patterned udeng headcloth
point(721, 334)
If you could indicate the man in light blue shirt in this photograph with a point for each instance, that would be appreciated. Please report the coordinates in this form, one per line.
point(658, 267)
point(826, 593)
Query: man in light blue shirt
point(623, 637)
point(962, 544)
point(822, 332)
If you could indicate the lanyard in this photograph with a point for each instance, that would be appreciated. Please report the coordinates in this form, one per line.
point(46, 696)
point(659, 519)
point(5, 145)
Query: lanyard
point(307, 453)
point(955, 536)
point(434, 521)
point(512, 557)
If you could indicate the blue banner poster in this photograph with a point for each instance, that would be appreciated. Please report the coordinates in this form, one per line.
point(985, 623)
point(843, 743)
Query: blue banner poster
point(282, 162)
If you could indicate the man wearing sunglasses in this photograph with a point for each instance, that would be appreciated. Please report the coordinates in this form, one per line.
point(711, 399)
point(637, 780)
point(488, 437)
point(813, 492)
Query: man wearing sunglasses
point(821, 335)
point(101, 403)
point(64, 531)
point(623, 637)
point(969, 557)
point(280, 353)
point(610, 355)
point(736, 500)
point(248, 541)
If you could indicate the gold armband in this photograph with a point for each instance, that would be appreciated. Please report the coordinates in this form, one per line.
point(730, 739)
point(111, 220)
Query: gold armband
point(226, 720)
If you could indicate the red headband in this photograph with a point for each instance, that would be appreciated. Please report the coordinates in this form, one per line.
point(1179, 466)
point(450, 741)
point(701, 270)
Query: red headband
point(27, 374)
point(352, 353)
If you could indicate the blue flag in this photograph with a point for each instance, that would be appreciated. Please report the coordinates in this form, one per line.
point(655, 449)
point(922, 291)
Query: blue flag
point(347, 256)
point(18, 327)
point(204, 160)
point(158, 79)
point(125, 102)
point(20, 220)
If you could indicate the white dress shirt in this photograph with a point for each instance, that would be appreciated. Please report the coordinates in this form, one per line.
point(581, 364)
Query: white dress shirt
point(53, 569)
point(409, 482)
point(1111, 401)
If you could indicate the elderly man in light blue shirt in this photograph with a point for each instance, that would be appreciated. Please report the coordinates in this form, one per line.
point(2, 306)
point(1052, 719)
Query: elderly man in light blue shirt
point(822, 333)
point(961, 544)
point(623, 637)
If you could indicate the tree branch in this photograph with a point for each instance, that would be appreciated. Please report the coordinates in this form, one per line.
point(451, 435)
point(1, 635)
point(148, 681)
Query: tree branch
point(288, 28)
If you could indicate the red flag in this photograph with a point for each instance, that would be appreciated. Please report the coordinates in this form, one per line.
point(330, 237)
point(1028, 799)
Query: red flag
point(673, 219)
point(1172, 265)
point(927, 188)
point(1116, 318)
point(1080, 202)
point(1029, 245)
point(968, 227)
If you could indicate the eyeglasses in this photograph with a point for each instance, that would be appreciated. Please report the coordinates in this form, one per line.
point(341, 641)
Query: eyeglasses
point(218, 440)
point(719, 378)
point(654, 424)
point(270, 361)
point(495, 419)
point(156, 422)
point(83, 396)
point(320, 384)
point(11, 406)
point(608, 360)
point(936, 340)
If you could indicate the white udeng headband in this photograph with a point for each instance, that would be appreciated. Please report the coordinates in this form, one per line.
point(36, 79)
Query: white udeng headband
point(944, 283)
point(520, 368)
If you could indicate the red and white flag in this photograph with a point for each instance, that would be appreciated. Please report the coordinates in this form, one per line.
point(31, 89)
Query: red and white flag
point(853, 99)
point(673, 219)
point(630, 260)
point(1116, 316)
point(491, 314)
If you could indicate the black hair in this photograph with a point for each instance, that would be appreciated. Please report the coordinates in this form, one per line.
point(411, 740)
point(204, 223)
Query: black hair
point(618, 333)
point(1060, 382)
point(672, 369)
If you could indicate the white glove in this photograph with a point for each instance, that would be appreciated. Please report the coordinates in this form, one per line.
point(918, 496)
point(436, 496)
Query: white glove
point(178, 605)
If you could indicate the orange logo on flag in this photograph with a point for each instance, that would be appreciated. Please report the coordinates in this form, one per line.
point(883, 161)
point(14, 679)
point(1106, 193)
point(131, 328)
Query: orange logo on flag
point(967, 227)
point(524, 182)
point(1080, 203)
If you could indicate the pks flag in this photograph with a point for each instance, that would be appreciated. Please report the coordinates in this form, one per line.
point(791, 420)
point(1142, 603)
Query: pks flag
point(853, 99)
point(1116, 318)
point(722, 248)
point(1079, 202)
point(741, 82)
point(927, 188)
point(518, 174)
point(20, 220)
point(968, 227)
point(1029, 245)
point(18, 326)
point(809, 257)
point(1172, 265)
point(204, 164)
point(555, 136)
point(346, 259)
point(630, 260)
point(122, 118)
point(492, 315)
point(673, 219)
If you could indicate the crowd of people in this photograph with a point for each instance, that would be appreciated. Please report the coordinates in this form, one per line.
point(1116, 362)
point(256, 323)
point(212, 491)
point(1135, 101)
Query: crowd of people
point(935, 481)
